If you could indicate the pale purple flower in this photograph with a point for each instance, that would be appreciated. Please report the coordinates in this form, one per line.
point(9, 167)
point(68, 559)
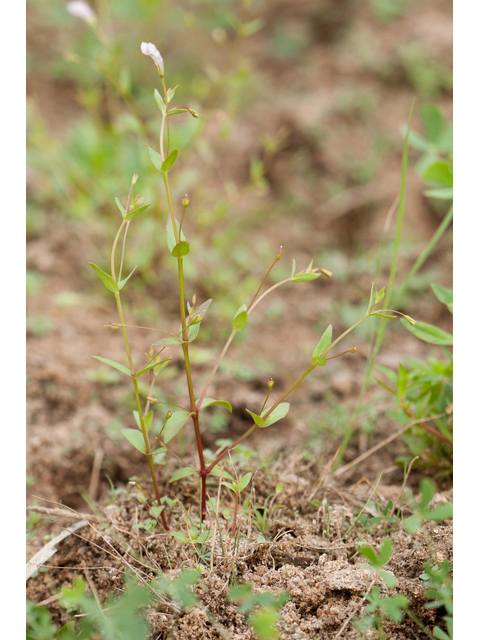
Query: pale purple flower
point(82, 10)
point(149, 49)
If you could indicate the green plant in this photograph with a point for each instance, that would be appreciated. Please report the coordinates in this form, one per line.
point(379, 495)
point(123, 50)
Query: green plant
point(263, 621)
point(39, 623)
point(192, 316)
point(439, 589)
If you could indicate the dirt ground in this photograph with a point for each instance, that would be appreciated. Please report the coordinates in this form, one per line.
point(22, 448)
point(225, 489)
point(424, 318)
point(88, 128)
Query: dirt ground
point(74, 446)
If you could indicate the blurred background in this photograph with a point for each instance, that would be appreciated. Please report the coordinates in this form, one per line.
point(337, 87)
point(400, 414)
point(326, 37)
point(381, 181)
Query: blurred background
point(303, 111)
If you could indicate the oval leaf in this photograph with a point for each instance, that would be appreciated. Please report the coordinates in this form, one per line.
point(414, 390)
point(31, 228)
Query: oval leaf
point(183, 473)
point(160, 102)
point(303, 277)
point(155, 157)
point(277, 414)
point(175, 425)
point(151, 366)
point(257, 419)
point(320, 361)
point(429, 333)
point(107, 280)
point(169, 342)
point(136, 211)
point(325, 342)
point(444, 294)
point(208, 402)
point(241, 318)
point(181, 249)
point(115, 365)
point(135, 437)
point(168, 162)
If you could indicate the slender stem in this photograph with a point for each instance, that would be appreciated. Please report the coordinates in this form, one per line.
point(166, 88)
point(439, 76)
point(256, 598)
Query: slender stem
point(168, 121)
point(230, 448)
point(123, 250)
point(162, 152)
point(114, 247)
point(215, 367)
point(139, 406)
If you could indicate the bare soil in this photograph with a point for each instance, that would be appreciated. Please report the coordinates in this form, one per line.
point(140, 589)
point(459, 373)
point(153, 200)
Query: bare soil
point(74, 444)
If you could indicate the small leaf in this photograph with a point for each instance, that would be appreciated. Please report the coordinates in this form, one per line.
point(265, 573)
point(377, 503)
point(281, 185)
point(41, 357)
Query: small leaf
point(171, 93)
point(155, 157)
point(181, 249)
point(293, 268)
point(442, 193)
point(148, 420)
point(444, 294)
point(217, 472)
point(123, 282)
point(135, 212)
point(107, 280)
point(160, 102)
point(169, 161)
point(303, 277)
point(277, 414)
point(177, 110)
point(67, 632)
point(135, 437)
point(152, 365)
point(257, 419)
point(320, 361)
point(244, 480)
point(439, 172)
point(156, 511)
point(325, 342)
point(115, 365)
point(175, 425)
point(208, 402)
point(241, 318)
point(181, 537)
point(121, 207)
point(429, 333)
point(379, 295)
point(183, 473)
point(433, 122)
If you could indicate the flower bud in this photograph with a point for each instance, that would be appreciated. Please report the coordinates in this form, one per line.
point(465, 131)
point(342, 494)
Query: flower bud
point(82, 10)
point(149, 49)
point(169, 415)
point(135, 178)
point(327, 273)
point(152, 400)
point(185, 200)
point(270, 383)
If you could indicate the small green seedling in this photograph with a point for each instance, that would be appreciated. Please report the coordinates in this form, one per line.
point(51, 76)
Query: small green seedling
point(423, 512)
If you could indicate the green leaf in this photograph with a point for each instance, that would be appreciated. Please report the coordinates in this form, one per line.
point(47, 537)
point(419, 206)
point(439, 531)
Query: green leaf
point(368, 553)
point(176, 110)
point(175, 425)
point(135, 212)
point(155, 157)
point(257, 419)
point(320, 361)
point(304, 277)
point(156, 511)
point(442, 193)
point(152, 365)
point(169, 161)
point(182, 473)
point(444, 294)
point(325, 342)
point(107, 280)
point(115, 365)
point(171, 240)
point(440, 513)
point(181, 537)
point(160, 102)
point(135, 437)
point(277, 414)
point(123, 282)
point(428, 333)
point(433, 122)
point(440, 172)
point(208, 402)
point(244, 480)
point(171, 93)
point(241, 318)
point(181, 249)
point(67, 632)
point(385, 552)
point(217, 472)
point(379, 295)
point(121, 207)
point(147, 420)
